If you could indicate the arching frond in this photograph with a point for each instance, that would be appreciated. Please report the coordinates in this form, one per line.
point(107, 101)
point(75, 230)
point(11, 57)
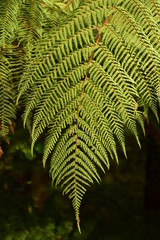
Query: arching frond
point(87, 78)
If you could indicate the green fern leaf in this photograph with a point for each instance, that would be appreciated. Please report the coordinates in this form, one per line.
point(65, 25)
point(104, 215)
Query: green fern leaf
point(8, 21)
point(90, 78)
point(7, 96)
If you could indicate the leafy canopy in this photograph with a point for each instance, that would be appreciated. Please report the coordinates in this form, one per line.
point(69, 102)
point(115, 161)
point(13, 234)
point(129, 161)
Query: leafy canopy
point(83, 71)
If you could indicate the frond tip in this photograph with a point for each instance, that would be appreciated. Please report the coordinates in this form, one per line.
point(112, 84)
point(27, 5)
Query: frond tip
point(78, 225)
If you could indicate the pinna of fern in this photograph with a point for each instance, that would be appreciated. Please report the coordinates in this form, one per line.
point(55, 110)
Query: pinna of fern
point(88, 79)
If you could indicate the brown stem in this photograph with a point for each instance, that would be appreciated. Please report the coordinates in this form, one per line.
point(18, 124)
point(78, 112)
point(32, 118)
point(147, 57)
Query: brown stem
point(68, 3)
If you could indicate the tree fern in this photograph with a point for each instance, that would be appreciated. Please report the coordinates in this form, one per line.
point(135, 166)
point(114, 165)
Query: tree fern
point(90, 69)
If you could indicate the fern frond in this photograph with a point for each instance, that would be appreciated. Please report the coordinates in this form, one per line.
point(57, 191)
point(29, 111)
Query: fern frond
point(146, 58)
point(7, 96)
point(8, 21)
point(30, 21)
point(87, 81)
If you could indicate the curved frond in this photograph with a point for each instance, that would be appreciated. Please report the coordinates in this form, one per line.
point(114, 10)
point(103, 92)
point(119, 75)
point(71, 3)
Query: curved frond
point(87, 81)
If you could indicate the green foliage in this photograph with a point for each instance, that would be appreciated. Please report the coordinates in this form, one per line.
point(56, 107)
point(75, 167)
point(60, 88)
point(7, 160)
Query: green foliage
point(88, 71)
point(48, 232)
